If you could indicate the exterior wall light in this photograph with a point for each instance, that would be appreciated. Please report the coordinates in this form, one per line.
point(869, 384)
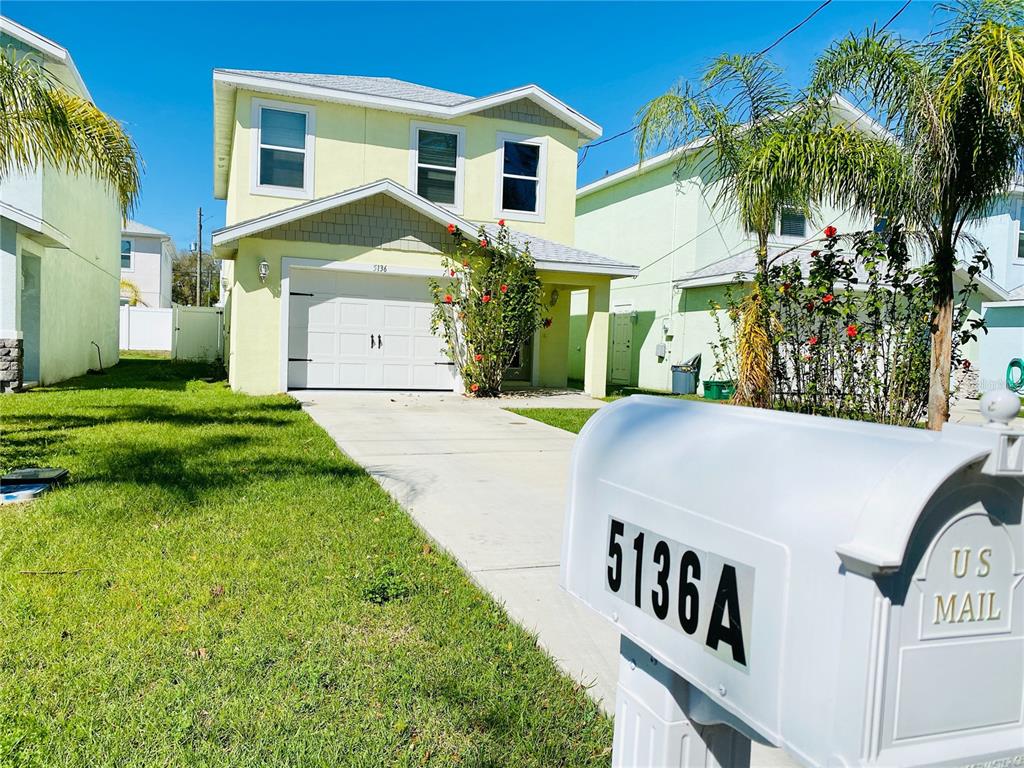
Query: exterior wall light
point(264, 269)
point(554, 296)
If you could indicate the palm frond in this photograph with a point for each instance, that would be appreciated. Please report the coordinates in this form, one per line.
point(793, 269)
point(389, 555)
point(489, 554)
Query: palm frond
point(40, 122)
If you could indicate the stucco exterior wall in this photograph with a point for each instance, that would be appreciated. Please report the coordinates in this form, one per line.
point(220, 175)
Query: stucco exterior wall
point(355, 146)
point(999, 233)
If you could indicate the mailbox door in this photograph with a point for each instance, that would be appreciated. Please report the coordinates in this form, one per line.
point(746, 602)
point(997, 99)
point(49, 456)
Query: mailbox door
point(953, 647)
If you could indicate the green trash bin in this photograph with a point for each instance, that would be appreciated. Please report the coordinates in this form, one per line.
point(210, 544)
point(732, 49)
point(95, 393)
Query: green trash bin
point(719, 390)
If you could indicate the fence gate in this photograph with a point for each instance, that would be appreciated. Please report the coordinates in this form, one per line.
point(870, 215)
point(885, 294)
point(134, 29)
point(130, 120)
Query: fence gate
point(198, 333)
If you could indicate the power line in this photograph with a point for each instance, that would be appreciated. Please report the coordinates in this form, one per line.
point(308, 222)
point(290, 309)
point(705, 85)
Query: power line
point(757, 55)
point(895, 16)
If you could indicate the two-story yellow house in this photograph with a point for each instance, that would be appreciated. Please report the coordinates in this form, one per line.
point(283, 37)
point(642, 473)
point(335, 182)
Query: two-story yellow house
point(340, 191)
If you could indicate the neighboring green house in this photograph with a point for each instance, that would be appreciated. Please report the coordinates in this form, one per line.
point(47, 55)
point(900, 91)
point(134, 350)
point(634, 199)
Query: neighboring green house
point(661, 215)
point(340, 191)
point(59, 255)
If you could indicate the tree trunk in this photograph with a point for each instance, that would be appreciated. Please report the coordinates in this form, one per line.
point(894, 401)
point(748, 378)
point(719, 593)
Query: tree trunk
point(942, 341)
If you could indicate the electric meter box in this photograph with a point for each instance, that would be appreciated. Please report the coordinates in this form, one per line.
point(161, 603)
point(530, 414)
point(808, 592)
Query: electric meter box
point(849, 592)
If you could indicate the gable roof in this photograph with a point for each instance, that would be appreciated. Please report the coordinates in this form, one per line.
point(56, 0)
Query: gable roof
point(49, 49)
point(132, 227)
point(841, 108)
point(546, 254)
point(383, 93)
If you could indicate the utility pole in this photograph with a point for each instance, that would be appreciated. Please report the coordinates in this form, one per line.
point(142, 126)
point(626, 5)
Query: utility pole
point(199, 258)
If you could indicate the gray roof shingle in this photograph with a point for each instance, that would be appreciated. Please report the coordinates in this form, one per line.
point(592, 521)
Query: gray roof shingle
point(550, 251)
point(132, 227)
point(387, 87)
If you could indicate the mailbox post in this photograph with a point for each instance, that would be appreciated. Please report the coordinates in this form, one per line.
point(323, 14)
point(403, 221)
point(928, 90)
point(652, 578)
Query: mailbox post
point(848, 592)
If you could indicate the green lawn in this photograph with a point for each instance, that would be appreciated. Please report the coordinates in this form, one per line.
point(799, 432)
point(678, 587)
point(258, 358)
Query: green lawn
point(231, 590)
point(573, 419)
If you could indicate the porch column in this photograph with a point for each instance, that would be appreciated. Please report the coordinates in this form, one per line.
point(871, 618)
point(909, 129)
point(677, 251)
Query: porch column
point(595, 363)
point(10, 336)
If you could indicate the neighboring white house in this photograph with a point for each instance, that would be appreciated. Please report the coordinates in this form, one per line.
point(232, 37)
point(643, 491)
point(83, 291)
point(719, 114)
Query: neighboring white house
point(1002, 235)
point(146, 255)
point(663, 215)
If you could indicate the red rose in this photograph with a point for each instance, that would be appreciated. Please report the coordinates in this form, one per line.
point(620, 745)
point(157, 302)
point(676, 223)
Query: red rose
point(478, 357)
point(483, 243)
point(809, 306)
point(547, 322)
point(808, 358)
point(452, 272)
point(474, 387)
point(504, 288)
point(815, 254)
point(966, 365)
point(830, 231)
point(501, 222)
point(851, 331)
point(813, 340)
point(485, 298)
point(827, 298)
point(447, 298)
point(451, 229)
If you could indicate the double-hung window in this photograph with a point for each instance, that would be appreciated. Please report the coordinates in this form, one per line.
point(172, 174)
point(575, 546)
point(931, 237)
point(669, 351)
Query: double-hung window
point(283, 149)
point(126, 254)
point(792, 223)
point(521, 162)
point(437, 164)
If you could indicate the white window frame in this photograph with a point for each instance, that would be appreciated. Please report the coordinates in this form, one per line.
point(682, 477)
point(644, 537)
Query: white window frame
point(460, 167)
point(131, 253)
point(1020, 241)
point(542, 162)
point(272, 190)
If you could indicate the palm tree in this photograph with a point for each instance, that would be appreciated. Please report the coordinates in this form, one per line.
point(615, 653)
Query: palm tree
point(954, 107)
point(742, 112)
point(41, 122)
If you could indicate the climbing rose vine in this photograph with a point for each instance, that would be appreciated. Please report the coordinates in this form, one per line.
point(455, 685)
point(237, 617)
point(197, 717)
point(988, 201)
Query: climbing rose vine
point(488, 306)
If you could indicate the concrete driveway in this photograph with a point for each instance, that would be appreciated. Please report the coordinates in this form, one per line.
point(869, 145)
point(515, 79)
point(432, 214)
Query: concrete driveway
point(490, 487)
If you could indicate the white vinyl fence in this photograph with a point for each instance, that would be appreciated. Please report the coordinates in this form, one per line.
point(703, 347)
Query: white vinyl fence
point(188, 333)
point(146, 328)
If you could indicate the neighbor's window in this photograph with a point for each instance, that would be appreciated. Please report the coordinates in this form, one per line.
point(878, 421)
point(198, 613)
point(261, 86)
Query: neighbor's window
point(283, 150)
point(126, 254)
point(522, 163)
point(792, 223)
point(1020, 245)
point(437, 165)
point(881, 225)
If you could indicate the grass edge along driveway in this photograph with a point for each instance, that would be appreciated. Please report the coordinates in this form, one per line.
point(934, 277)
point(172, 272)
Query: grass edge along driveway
point(236, 591)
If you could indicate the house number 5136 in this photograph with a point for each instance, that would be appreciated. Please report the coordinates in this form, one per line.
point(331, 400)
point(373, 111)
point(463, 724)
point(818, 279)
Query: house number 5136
point(380, 267)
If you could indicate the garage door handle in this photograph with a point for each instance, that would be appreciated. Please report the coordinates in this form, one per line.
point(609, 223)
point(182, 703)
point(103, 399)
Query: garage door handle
point(380, 344)
point(300, 359)
point(371, 342)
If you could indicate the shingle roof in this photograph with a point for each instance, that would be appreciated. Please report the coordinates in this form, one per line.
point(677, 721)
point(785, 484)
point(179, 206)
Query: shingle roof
point(387, 87)
point(137, 228)
point(557, 253)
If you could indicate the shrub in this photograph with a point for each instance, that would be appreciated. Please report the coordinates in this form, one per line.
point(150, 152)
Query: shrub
point(851, 329)
point(489, 306)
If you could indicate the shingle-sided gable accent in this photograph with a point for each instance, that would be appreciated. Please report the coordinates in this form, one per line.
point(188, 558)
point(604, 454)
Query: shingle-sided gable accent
point(379, 221)
point(525, 111)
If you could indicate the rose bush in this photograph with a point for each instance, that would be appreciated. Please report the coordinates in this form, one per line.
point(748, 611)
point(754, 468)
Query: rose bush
point(488, 308)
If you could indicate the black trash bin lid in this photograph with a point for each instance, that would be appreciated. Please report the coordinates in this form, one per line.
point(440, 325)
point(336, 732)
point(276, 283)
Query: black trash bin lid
point(26, 475)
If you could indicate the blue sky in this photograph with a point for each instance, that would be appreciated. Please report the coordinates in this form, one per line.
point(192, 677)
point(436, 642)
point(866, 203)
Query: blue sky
point(149, 64)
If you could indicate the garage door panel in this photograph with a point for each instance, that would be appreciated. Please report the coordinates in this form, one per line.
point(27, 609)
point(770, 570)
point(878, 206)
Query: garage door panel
point(354, 314)
point(333, 328)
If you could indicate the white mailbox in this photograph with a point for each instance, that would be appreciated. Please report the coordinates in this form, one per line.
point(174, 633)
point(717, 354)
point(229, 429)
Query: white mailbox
point(849, 592)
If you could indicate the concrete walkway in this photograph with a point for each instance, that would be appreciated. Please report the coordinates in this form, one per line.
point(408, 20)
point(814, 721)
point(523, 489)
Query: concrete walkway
point(490, 487)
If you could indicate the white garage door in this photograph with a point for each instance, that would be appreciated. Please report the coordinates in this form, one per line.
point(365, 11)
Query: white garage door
point(350, 330)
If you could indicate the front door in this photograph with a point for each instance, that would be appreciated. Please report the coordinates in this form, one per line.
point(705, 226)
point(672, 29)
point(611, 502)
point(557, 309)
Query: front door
point(622, 348)
point(31, 292)
point(351, 330)
point(521, 369)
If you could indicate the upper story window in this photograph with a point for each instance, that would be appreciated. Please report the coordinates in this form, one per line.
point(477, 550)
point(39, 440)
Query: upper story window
point(437, 164)
point(126, 254)
point(283, 149)
point(1020, 243)
point(792, 223)
point(521, 163)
